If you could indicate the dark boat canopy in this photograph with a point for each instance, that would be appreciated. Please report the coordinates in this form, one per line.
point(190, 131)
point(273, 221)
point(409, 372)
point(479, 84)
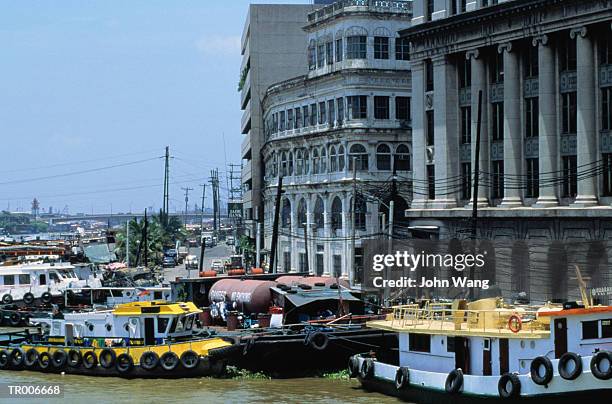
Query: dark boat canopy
point(301, 298)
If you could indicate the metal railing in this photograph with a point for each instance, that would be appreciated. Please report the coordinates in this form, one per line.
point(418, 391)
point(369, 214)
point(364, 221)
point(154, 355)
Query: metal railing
point(389, 6)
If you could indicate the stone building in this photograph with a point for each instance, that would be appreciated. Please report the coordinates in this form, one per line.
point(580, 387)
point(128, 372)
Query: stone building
point(352, 108)
point(544, 69)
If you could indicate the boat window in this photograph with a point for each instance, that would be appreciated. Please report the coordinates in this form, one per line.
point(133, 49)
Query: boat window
point(180, 324)
point(157, 295)
point(162, 324)
point(590, 329)
point(606, 328)
point(53, 276)
point(173, 326)
point(24, 279)
point(450, 344)
point(419, 342)
point(188, 323)
point(487, 344)
point(42, 279)
point(9, 279)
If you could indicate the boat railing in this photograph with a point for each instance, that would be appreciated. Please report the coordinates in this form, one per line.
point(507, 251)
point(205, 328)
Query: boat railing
point(445, 317)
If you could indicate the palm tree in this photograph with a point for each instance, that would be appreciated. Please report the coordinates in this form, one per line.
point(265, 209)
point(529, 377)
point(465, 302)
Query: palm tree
point(155, 242)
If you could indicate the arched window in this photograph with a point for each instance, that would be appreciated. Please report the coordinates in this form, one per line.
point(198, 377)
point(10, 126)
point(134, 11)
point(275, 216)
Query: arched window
point(383, 157)
point(359, 154)
point(301, 213)
point(336, 214)
point(274, 165)
point(290, 164)
point(306, 162)
point(402, 158)
point(361, 209)
point(341, 158)
point(323, 160)
point(315, 161)
point(284, 164)
point(319, 220)
point(299, 162)
point(286, 214)
point(333, 160)
point(356, 43)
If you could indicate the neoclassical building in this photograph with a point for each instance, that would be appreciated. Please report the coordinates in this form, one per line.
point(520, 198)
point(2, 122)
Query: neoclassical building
point(352, 110)
point(544, 69)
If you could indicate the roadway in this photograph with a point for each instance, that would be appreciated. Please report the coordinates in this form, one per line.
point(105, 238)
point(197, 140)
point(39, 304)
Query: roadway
point(220, 251)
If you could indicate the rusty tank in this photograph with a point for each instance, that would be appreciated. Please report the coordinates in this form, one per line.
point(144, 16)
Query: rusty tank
point(292, 280)
point(250, 296)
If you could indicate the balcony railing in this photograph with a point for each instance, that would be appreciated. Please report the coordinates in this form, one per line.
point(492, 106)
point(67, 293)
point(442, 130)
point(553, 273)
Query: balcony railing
point(384, 6)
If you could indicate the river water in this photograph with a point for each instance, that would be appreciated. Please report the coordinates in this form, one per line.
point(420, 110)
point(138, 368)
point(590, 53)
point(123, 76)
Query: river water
point(96, 390)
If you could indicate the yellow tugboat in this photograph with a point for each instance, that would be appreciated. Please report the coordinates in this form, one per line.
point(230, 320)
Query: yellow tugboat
point(153, 339)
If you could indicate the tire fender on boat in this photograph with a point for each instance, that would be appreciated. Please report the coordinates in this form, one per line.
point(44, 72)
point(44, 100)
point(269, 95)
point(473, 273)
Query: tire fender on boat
point(14, 319)
point(44, 361)
point(169, 361)
point(74, 358)
point(60, 358)
point(509, 386)
point(149, 360)
point(318, 340)
point(107, 358)
point(353, 366)
point(46, 297)
point(124, 363)
point(28, 298)
point(31, 358)
point(454, 381)
point(566, 373)
point(367, 369)
point(536, 365)
point(90, 360)
point(7, 299)
point(596, 365)
point(402, 378)
point(17, 357)
point(190, 359)
point(4, 359)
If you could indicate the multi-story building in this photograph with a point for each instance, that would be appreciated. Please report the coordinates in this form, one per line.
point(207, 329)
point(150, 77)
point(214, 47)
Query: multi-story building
point(272, 50)
point(544, 69)
point(351, 112)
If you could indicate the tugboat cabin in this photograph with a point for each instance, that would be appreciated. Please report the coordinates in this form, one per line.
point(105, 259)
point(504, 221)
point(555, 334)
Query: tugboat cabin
point(130, 324)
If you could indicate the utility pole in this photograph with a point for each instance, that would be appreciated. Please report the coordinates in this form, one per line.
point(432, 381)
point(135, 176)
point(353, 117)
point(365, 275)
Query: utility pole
point(166, 201)
point(202, 243)
point(214, 182)
point(352, 255)
point(386, 291)
point(258, 232)
point(145, 241)
point(475, 192)
point(305, 225)
point(186, 189)
point(127, 243)
point(273, 248)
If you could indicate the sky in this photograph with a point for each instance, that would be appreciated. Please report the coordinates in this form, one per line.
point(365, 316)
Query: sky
point(92, 91)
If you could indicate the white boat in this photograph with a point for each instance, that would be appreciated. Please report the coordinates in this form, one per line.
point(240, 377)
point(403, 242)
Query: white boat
point(43, 280)
point(489, 351)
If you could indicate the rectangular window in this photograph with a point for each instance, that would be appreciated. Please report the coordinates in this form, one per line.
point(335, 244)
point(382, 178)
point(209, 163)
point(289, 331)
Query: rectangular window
point(497, 68)
point(312, 58)
point(329, 52)
point(24, 279)
point(322, 113)
point(419, 342)
point(302, 262)
point(358, 106)
point(430, 134)
point(568, 112)
point(533, 178)
point(605, 51)
point(607, 174)
point(287, 261)
point(381, 107)
point(531, 117)
point(162, 324)
point(331, 112)
point(320, 55)
point(340, 102)
point(606, 328)
point(313, 114)
point(497, 130)
point(429, 75)
point(298, 118)
point(465, 73)
point(606, 108)
point(337, 261)
point(290, 123)
point(356, 47)
point(466, 181)
point(466, 125)
point(530, 61)
point(567, 55)
point(9, 279)
point(402, 108)
point(450, 344)
point(431, 182)
point(463, 5)
point(381, 47)
point(498, 179)
point(282, 121)
point(570, 173)
point(590, 329)
point(402, 49)
point(306, 116)
point(429, 9)
point(339, 50)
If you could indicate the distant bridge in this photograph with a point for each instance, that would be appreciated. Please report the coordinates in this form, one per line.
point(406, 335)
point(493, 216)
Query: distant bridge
point(118, 218)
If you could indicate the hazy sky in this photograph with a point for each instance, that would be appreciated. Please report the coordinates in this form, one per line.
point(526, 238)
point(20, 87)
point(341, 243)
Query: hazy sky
point(86, 85)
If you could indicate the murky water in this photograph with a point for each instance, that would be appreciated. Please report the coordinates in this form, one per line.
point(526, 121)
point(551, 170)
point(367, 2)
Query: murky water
point(95, 390)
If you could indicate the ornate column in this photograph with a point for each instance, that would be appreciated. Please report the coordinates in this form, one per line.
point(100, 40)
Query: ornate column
point(586, 136)
point(512, 126)
point(547, 121)
point(479, 83)
point(419, 174)
point(445, 130)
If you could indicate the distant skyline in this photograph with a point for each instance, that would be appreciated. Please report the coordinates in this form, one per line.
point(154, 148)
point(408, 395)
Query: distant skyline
point(92, 92)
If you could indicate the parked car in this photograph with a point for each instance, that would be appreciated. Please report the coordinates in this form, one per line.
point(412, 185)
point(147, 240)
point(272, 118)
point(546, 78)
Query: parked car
point(169, 262)
point(191, 262)
point(217, 265)
point(229, 240)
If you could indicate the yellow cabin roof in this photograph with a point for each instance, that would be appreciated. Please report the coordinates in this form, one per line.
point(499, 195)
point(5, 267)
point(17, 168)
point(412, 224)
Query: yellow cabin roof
point(155, 307)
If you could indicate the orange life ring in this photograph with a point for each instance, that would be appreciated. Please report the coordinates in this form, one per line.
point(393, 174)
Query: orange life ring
point(515, 324)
